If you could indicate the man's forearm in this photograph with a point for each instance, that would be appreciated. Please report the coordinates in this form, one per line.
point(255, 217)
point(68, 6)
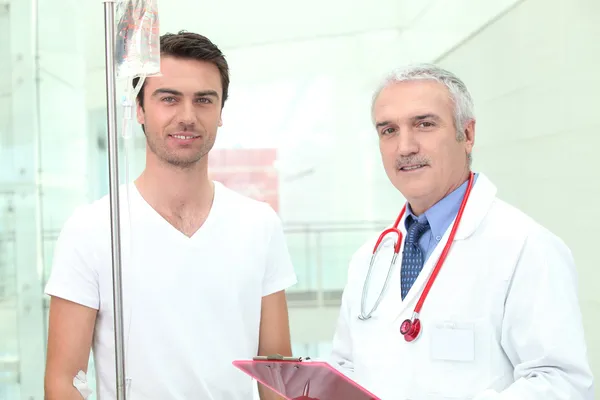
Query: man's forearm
point(61, 389)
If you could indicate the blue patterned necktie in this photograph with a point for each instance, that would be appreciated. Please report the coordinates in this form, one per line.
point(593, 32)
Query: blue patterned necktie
point(412, 256)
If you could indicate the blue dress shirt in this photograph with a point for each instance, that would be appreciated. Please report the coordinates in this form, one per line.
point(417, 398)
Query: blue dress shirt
point(440, 217)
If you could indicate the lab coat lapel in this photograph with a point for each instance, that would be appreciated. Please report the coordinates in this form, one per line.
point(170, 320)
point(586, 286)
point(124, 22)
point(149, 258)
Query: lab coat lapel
point(478, 204)
point(481, 200)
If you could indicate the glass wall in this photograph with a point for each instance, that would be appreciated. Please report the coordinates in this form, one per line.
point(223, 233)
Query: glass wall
point(298, 125)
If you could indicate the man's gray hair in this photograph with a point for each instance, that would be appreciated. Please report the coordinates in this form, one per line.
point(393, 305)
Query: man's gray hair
point(459, 94)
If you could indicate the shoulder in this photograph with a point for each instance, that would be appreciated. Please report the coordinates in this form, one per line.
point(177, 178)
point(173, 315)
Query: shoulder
point(92, 221)
point(245, 208)
point(510, 219)
point(533, 248)
point(87, 218)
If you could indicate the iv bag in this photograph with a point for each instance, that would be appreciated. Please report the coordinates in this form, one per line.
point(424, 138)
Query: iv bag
point(138, 38)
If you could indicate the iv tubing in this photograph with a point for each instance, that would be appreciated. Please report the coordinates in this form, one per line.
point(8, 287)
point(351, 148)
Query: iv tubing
point(113, 176)
point(129, 103)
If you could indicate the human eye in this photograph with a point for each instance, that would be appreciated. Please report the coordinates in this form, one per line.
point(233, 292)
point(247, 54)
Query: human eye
point(204, 100)
point(426, 124)
point(387, 131)
point(168, 99)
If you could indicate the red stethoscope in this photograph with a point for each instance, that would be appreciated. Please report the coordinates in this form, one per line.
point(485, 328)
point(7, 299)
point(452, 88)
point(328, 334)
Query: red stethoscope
point(411, 328)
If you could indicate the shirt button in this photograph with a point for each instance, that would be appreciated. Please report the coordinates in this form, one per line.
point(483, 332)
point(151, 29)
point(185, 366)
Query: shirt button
point(438, 238)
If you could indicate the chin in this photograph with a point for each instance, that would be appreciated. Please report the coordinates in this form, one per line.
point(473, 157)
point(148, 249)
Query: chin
point(184, 162)
point(414, 188)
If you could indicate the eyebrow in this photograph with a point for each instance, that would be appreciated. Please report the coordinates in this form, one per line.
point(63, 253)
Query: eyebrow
point(383, 123)
point(425, 116)
point(415, 118)
point(202, 93)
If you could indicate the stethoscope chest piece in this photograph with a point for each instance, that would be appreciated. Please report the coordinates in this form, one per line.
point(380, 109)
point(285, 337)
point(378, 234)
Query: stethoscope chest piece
point(411, 329)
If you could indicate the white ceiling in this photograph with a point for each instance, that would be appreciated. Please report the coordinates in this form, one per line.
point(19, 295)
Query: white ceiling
point(237, 23)
point(316, 35)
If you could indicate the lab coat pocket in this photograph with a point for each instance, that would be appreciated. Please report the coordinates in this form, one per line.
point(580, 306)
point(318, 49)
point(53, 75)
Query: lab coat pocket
point(453, 342)
point(458, 360)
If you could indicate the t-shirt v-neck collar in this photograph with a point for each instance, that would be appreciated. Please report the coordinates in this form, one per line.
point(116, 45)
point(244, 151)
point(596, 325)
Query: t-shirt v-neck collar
point(156, 217)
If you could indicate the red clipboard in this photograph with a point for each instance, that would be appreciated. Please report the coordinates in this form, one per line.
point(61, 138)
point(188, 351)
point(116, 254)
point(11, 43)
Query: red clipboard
point(302, 379)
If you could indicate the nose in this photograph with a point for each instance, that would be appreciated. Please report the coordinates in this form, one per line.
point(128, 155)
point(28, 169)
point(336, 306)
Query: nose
point(406, 143)
point(187, 114)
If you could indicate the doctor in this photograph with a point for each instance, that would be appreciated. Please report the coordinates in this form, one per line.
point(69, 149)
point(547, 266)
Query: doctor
point(498, 316)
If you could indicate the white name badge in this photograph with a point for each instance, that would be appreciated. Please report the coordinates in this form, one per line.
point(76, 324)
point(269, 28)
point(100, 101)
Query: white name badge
point(453, 342)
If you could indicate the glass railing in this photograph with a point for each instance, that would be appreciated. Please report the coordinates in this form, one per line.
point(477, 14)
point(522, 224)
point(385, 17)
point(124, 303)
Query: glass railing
point(9, 335)
point(321, 253)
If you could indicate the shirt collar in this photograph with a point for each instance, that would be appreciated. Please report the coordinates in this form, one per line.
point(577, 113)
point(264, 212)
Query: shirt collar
point(441, 214)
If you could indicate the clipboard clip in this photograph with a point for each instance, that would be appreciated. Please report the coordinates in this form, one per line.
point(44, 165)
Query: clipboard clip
point(279, 357)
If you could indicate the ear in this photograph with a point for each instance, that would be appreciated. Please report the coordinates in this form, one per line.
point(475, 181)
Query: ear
point(140, 114)
point(220, 124)
point(469, 133)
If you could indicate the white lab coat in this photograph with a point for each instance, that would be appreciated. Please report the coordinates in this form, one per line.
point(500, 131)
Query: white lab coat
point(502, 320)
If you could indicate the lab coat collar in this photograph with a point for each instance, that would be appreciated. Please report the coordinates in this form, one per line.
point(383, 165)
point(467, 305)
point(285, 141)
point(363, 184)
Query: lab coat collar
point(481, 199)
point(441, 215)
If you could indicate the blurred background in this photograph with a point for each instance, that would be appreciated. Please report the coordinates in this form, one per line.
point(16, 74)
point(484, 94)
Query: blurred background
point(297, 133)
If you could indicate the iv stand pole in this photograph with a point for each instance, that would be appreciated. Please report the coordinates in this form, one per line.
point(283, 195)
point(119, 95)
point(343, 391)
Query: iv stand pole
point(113, 165)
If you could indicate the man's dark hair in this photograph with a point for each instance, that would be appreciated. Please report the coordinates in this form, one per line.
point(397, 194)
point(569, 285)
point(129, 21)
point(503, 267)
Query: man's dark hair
point(192, 46)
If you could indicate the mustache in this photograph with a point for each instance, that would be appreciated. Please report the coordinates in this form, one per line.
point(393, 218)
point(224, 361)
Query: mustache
point(412, 160)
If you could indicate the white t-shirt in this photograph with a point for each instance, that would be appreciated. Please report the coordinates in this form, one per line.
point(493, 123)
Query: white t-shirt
point(191, 305)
